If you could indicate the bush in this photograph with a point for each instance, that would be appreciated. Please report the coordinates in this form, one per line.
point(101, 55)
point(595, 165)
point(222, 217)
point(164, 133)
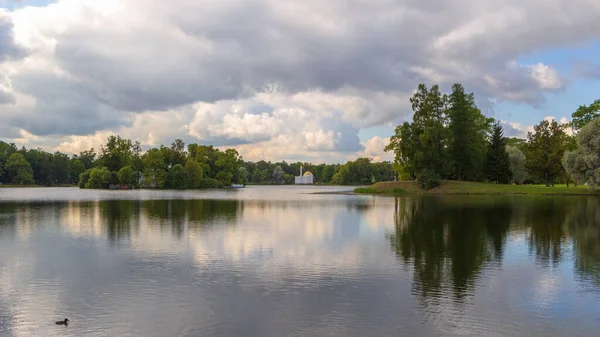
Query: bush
point(210, 183)
point(428, 179)
point(84, 177)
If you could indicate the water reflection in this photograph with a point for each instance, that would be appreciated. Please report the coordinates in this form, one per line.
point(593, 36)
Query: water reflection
point(309, 266)
point(449, 241)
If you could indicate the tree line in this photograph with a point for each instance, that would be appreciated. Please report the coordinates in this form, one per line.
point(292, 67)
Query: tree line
point(121, 162)
point(449, 138)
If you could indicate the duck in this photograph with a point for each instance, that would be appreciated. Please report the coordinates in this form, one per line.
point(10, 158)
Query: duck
point(65, 322)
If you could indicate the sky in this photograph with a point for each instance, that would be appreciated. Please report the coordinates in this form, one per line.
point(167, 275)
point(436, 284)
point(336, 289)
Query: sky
point(312, 80)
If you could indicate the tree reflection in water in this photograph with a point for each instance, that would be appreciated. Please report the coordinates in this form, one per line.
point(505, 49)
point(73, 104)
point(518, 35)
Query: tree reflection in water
point(449, 241)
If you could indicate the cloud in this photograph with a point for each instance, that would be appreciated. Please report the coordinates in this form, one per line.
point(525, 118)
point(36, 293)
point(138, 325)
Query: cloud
point(302, 76)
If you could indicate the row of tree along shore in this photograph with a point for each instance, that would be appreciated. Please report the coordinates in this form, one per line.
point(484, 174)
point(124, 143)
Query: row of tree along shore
point(120, 162)
point(450, 139)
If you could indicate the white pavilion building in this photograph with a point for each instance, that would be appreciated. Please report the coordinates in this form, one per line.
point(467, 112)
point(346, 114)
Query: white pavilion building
point(304, 179)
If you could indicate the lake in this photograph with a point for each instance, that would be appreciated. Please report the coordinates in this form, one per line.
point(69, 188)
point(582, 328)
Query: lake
point(280, 261)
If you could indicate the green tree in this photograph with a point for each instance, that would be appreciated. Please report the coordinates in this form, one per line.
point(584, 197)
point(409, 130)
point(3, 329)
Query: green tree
point(468, 130)
point(88, 158)
point(583, 164)
point(99, 178)
point(18, 169)
point(423, 143)
point(194, 173)
point(497, 167)
point(545, 150)
point(77, 168)
point(278, 176)
point(227, 165)
point(84, 178)
point(178, 177)
point(155, 174)
point(584, 114)
point(127, 176)
point(61, 168)
point(516, 158)
point(116, 153)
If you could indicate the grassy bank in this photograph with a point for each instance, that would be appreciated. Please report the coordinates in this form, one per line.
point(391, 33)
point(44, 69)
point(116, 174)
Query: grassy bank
point(472, 188)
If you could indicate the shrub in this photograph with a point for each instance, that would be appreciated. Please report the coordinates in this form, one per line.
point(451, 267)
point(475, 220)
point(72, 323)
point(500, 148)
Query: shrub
point(428, 179)
point(210, 183)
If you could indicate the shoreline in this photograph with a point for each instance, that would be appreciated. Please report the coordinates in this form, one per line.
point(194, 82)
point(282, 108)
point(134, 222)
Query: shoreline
point(411, 188)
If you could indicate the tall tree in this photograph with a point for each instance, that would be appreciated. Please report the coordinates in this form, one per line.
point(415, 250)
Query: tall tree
point(584, 114)
point(116, 153)
point(18, 169)
point(545, 150)
point(497, 166)
point(468, 132)
point(422, 144)
point(278, 176)
point(583, 164)
point(155, 168)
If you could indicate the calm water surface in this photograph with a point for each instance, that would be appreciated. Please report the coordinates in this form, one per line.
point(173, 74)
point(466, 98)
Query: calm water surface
point(270, 261)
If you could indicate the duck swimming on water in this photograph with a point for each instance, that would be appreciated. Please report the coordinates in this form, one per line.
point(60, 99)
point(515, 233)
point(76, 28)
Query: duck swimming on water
point(65, 322)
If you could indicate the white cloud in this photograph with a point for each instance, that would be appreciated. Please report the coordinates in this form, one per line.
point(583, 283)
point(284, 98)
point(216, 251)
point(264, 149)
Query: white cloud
point(277, 78)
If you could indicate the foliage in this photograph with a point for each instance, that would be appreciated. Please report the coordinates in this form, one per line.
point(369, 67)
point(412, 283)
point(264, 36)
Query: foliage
point(116, 153)
point(77, 168)
point(516, 159)
point(585, 114)
point(583, 164)
point(18, 169)
point(155, 174)
point(278, 175)
point(545, 149)
point(127, 176)
point(497, 166)
point(469, 129)
point(84, 178)
point(428, 179)
point(194, 173)
point(422, 144)
point(210, 183)
point(99, 178)
point(177, 178)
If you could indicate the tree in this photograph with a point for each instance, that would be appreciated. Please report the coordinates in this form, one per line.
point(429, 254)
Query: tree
point(127, 176)
point(61, 168)
point(497, 167)
point(583, 164)
point(422, 144)
point(116, 153)
point(84, 178)
point(155, 174)
point(584, 114)
point(194, 173)
point(468, 132)
point(545, 150)
point(278, 176)
point(99, 178)
point(177, 177)
point(88, 158)
point(516, 158)
point(77, 168)
point(18, 169)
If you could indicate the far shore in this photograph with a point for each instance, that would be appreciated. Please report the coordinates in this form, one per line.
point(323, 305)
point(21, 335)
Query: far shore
point(400, 188)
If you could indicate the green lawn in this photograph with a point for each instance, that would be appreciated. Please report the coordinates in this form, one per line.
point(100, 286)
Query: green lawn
point(464, 187)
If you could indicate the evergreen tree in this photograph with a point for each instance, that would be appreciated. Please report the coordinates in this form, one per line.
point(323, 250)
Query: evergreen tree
point(497, 166)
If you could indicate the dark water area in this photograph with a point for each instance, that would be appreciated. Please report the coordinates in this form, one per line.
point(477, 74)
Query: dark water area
point(279, 261)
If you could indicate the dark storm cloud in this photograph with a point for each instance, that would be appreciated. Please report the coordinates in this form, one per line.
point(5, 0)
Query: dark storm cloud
point(63, 107)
